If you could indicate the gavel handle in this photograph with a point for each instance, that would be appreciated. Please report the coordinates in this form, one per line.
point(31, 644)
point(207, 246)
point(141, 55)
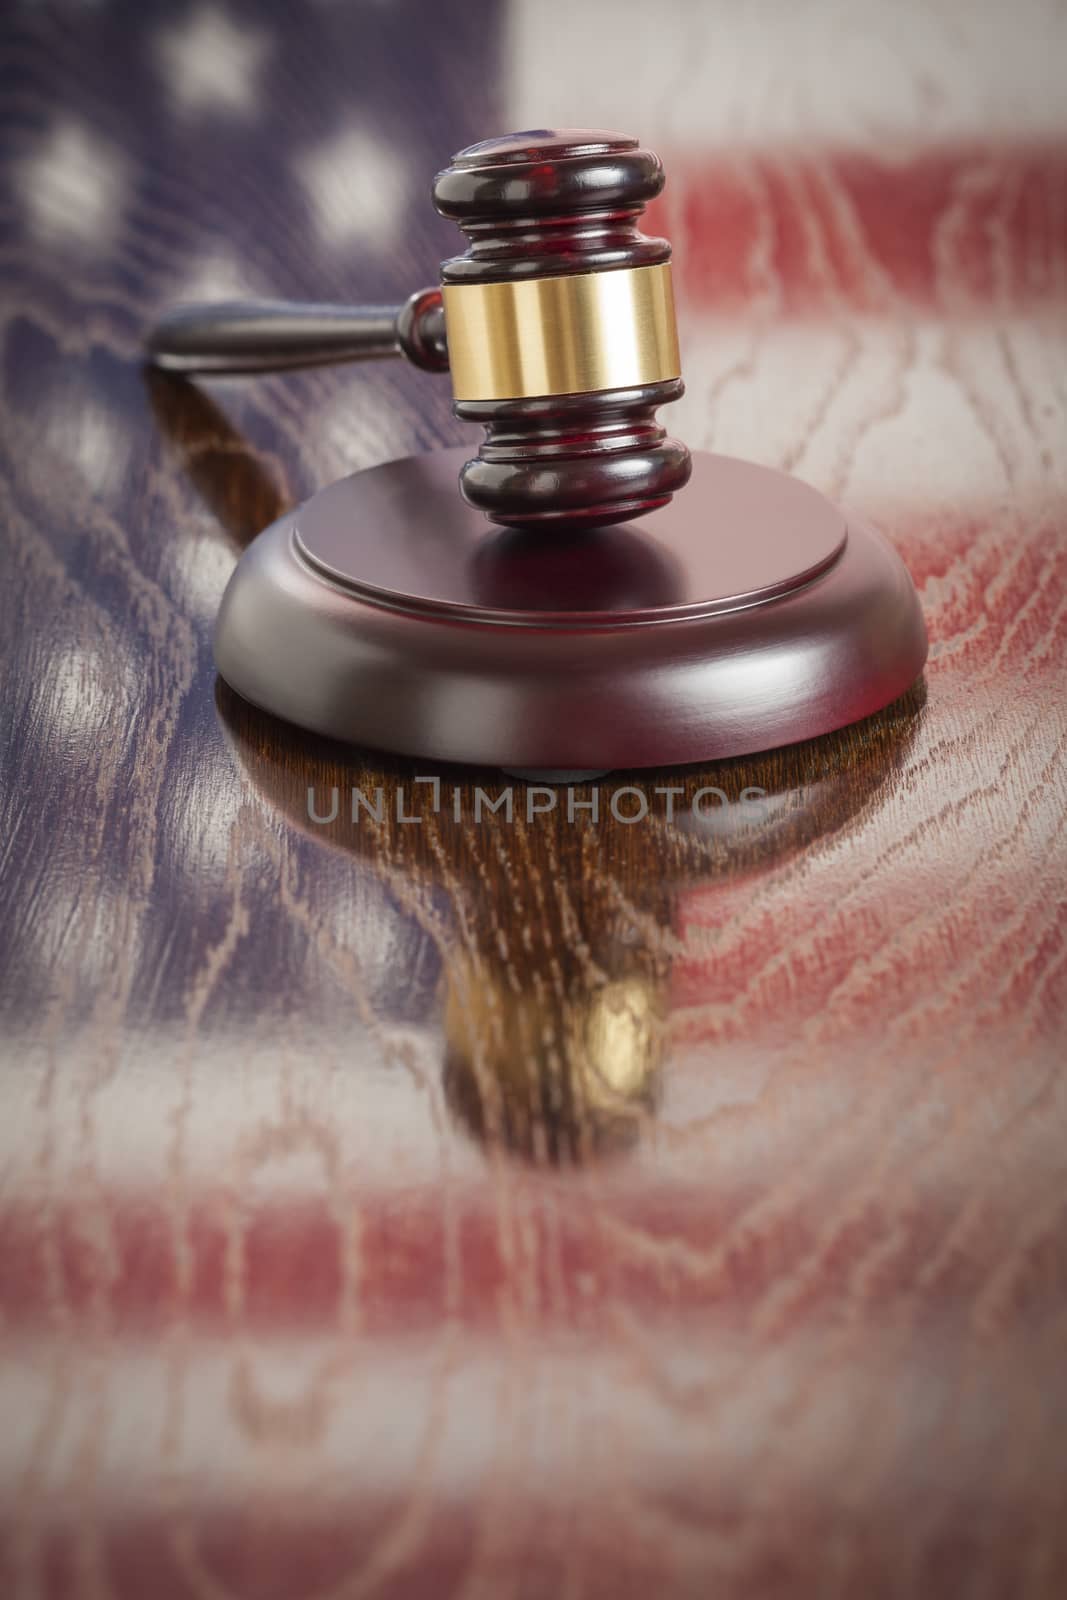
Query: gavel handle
point(276, 335)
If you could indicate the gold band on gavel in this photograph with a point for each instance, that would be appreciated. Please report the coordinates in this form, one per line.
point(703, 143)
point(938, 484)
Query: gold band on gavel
point(573, 335)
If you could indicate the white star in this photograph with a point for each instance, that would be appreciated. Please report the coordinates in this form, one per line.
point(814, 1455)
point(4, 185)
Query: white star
point(209, 63)
point(216, 275)
point(72, 186)
point(357, 188)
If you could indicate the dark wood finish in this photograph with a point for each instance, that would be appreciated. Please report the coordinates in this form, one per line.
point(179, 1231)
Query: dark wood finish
point(550, 202)
point(250, 336)
point(575, 460)
point(323, 1269)
point(538, 205)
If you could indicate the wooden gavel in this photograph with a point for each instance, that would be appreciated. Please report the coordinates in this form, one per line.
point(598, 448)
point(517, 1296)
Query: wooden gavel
point(557, 325)
point(386, 612)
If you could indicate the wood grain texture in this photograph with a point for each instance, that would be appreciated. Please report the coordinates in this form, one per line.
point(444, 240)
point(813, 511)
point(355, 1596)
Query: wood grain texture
point(530, 1208)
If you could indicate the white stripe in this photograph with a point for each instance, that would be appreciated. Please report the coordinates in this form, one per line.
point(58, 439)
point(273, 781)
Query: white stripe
point(854, 73)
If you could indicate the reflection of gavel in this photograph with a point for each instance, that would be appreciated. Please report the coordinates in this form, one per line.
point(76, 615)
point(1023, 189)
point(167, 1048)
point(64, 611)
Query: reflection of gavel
point(560, 329)
point(556, 938)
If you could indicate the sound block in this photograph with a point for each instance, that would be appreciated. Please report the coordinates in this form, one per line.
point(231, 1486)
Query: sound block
point(746, 613)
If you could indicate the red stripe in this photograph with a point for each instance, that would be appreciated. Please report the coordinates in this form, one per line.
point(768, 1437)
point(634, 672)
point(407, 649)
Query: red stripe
point(423, 1262)
point(953, 229)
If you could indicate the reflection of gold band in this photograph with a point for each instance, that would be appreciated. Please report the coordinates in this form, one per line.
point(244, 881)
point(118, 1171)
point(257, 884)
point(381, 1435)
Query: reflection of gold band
point(545, 336)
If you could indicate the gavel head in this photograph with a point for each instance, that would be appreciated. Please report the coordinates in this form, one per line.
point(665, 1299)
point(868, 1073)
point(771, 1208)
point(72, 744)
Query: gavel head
point(560, 326)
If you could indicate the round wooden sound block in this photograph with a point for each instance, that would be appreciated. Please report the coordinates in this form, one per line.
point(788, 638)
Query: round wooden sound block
point(745, 614)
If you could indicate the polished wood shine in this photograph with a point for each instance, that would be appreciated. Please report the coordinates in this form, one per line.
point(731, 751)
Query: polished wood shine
point(550, 204)
point(530, 1207)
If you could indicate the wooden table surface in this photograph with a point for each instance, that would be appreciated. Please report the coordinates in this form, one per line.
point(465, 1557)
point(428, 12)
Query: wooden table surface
point(534, 1209)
